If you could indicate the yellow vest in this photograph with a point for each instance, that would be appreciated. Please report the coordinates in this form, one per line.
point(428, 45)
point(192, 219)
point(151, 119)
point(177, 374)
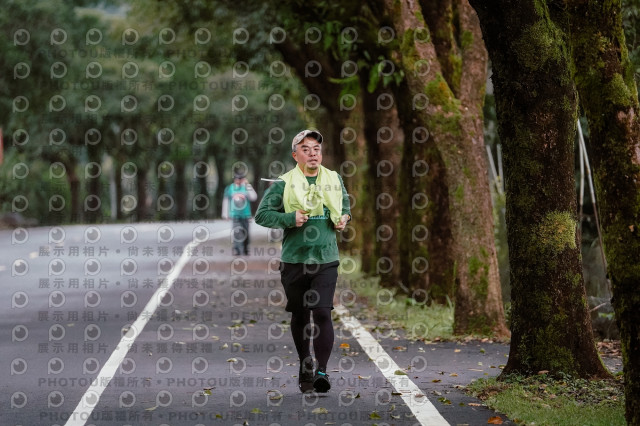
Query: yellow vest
point(300, 195)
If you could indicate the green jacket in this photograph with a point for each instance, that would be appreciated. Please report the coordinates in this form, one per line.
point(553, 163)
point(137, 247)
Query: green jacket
point(312, 243)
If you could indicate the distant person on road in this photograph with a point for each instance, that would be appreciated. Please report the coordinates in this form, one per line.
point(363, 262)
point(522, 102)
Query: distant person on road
point(237, 207)
point(310, 203)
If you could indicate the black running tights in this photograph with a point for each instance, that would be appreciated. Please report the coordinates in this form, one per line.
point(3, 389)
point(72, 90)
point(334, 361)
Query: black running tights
point(321, 333)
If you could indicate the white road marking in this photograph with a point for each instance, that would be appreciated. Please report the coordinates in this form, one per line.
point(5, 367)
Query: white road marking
point(92, 396)
point(411, 394)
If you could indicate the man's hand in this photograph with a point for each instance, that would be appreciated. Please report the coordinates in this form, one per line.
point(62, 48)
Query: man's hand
point(343, 222)
point(301, 217)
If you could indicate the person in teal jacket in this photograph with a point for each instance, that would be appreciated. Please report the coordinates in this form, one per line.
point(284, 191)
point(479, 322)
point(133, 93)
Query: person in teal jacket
point(311, 204)
point(237, 207)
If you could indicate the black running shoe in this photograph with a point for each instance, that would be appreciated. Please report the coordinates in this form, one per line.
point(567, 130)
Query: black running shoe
point(305, 376)
point(321, 382)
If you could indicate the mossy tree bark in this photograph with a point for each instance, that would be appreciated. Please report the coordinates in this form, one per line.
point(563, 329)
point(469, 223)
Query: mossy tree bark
point(609, 97)
point(536, 104)
point(447, 100)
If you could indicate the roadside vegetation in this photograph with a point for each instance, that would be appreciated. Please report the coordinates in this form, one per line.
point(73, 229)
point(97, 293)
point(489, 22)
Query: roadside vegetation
point(393, 308)
point(544, 400)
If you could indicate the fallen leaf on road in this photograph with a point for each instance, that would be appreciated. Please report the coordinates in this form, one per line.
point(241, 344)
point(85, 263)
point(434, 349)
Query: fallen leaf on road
point(474, 404)
point(374, 415)
point(496, 420)
point(399, 373)
point(344, 346)
point(453, 374)
point(232, 360)
point(320, 410)
point(400, 348)
point(436, 381)
point(151, 408)
point(457, 350)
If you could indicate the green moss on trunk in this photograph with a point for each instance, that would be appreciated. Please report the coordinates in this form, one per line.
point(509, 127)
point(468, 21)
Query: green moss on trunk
point(604, 77)
point(555, 233)
point(536, 105)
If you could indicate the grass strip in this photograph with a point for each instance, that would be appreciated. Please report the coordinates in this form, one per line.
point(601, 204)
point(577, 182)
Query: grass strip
point(544, 400)
point(388, 309)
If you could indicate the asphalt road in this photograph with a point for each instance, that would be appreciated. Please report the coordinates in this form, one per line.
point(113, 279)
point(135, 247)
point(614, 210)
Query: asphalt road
point(159, 324)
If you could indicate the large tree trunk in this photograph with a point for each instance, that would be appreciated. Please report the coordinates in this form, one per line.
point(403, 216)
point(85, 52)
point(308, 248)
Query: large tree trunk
point(455, 126)
point(536, 105)
point(353, 168)
point(608, 94)
point(424, 233)
point(384, 152)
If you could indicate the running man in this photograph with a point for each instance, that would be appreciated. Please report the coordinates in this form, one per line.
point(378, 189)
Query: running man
point(310, 203)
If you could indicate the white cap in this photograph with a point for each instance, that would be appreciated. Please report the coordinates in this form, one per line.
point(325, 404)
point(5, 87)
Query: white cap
point(303, 134)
